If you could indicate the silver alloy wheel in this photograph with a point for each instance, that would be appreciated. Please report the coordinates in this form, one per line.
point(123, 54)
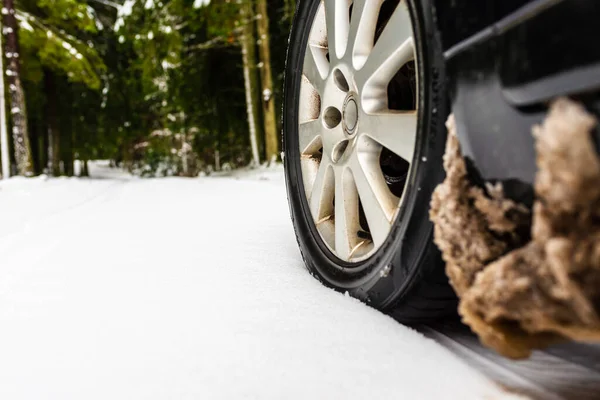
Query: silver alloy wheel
point(345, 122)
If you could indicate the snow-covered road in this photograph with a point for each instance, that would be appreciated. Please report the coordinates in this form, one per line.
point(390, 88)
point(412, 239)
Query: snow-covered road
point(120, 288)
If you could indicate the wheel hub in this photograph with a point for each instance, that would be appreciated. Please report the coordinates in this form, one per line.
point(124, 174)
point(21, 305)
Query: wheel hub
point(350, 115)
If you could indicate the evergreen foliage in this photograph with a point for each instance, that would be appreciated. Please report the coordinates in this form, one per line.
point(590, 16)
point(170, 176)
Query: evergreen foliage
point(154, 85)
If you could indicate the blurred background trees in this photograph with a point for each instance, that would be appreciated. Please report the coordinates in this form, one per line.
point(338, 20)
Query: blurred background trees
point(161, 87)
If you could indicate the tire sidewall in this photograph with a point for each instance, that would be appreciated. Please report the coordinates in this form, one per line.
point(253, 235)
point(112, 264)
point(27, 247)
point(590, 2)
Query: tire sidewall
point(396, 266)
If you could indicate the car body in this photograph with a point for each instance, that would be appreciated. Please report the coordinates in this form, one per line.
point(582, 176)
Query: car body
point(494, 64)
point(505, 60)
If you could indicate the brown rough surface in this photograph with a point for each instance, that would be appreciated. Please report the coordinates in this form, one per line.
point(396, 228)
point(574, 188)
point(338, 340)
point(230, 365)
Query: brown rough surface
point(519, 293)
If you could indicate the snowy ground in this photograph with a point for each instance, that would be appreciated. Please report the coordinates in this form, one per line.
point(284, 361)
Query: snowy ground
point(123, 288)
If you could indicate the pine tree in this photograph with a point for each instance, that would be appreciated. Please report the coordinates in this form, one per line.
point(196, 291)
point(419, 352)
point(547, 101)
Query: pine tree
point(150, 82)
point(56, 43)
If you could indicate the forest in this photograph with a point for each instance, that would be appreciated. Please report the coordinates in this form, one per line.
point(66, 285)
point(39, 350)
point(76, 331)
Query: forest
point(159, 87)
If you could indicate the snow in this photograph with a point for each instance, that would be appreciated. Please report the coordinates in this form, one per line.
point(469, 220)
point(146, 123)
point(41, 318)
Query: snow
point(167, 65)
point(201, 3)
point(24, 24)
point(123, 288)
point(91, 13)
point(124, 11)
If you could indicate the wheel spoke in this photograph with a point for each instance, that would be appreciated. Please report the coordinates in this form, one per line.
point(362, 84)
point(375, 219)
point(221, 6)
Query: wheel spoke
point(321, 196)
point(316, 66)
point(338, 25)
point(309, 134)
point(378, 202)
point(395, 131)
point(362, 30)
point(346, 214)
point(393, 49)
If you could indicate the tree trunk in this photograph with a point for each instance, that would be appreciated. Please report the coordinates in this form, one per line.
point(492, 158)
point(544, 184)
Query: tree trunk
point(248, 41)
point(53, 129)
point(4, 145)
point(34, 143)
point(43, 146)
point(67, 151)
point(270, 125)
point(17, 94)
point(185, 164)
point(217, 160)
point(85, 171)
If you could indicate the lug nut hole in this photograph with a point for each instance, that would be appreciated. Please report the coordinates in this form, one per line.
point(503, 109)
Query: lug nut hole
point(340, 81)
point(338, 150)
point(332, 117)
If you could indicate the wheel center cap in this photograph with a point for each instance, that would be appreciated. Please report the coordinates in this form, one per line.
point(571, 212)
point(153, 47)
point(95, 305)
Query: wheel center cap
point(350, 115)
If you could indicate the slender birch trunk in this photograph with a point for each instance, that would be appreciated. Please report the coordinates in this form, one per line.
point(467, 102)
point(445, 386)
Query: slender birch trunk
point(53, 130)
point(270, 124)
point(247, 41)
point(5, 154)
point(17, 95)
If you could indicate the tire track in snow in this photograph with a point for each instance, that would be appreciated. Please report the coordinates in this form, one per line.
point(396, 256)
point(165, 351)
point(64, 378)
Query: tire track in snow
point(564, 372)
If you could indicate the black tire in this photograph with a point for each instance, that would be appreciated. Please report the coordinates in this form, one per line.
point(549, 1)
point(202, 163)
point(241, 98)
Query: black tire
point(405, 277)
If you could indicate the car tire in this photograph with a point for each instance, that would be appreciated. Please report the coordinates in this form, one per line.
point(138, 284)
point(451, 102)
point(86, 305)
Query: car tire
point(404, 274)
